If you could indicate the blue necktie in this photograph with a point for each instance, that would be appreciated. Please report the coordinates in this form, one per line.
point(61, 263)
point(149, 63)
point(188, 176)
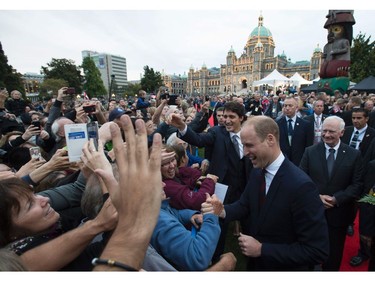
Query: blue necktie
point(354, 140)
point(290, 131)
point(235, 143)
point(330, 161)
point(290, 127)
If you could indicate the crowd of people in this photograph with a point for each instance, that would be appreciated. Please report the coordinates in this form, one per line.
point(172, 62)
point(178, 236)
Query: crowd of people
point(143, 197)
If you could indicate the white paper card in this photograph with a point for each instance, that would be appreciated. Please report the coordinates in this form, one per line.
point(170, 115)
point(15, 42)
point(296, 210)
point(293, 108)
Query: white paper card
point(221, 191)
point(76, 137)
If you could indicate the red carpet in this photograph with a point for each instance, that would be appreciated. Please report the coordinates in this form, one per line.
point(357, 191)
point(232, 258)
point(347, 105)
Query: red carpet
point(351, 250)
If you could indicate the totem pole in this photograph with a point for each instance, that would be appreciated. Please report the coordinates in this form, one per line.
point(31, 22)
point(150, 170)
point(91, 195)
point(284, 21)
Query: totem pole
point(334, 71)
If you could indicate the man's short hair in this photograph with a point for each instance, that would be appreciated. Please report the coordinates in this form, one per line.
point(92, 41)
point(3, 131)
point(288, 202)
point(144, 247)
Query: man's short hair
point(235, 107)
point(360, 109)
point(264, 125)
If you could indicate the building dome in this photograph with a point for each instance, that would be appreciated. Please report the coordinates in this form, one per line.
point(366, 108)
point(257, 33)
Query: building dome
point(317, 49)
point(283, 55)
point(260, 30)
point(231, 50)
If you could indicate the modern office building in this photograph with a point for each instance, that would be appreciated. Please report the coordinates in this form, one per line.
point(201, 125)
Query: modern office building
point(108, 66)
point(257, 60)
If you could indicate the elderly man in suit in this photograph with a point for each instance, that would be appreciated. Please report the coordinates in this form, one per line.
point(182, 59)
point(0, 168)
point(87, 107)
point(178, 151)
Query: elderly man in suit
point(336, 168)
point(317, 119)
point(359, 136)
point(285, 225)
point(226, 160)
point(295, 133)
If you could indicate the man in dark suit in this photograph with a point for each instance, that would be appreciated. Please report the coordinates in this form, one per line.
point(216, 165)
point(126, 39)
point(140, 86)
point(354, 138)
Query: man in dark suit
point(365, 135)
point(295, 133)
point(316, 119)
point(275, 108)
point(336, 169)
point(359, 136)
point(285, 225)
point(226, 162)
point(255, 105)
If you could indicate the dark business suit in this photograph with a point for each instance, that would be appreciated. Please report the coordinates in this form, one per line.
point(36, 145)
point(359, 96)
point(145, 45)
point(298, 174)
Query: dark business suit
point(273, 109)
point(366, 141)
point(290, 224)
point(364, 209)
point(303, 136)
point(345, 184)
point(224, 163)
point(311, 119)
point(369, 216)
point(371, 120)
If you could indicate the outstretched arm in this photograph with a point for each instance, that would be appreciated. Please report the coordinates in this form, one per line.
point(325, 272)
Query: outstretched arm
point(137, 199)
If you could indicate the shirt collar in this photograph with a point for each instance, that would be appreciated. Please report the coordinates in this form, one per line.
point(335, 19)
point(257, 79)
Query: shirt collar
point(361, 131)
point(237, 134)
point(275, 165)
point(336, 147)
point(294, 118)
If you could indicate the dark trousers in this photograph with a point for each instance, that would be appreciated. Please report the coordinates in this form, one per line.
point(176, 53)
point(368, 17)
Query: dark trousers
point(221, 243)
point(337, 236)
point(371, 264)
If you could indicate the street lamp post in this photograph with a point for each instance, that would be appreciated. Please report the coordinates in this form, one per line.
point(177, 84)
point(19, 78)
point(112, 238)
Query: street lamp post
point(110, 87)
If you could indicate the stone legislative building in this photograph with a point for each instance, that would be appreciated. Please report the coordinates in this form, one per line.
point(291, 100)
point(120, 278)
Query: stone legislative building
point(256, 62)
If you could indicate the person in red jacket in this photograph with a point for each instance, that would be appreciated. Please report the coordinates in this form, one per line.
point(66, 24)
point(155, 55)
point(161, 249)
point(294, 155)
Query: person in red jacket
point(184, 185)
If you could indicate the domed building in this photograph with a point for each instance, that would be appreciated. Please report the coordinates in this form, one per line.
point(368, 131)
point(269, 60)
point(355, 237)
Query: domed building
point(256, 62)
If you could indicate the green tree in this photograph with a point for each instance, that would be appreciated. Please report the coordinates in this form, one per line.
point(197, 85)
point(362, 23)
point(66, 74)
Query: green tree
point(93, 86)
point(66, 70)
point(132, 89)
point(362, 56)
point(151, 80)
point(49, 87)
point(9, 77)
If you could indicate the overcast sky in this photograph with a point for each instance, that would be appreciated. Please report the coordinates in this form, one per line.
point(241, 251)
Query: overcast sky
point(164, 37)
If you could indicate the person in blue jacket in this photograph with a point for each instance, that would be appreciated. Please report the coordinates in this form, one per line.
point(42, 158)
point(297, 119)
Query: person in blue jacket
point(186, 250)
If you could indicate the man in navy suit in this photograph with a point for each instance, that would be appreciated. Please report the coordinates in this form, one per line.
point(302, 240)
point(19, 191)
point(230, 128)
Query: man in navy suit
point(226, 162)
point(285, 225)
point(336, 168)
point(317, 119)
point(359, 136)
point(295, 133)
point(366, 134)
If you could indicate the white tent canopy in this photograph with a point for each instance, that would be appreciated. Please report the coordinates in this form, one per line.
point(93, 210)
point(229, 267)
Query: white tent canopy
point(275, 79)
point(298, 80)
point(316, 79)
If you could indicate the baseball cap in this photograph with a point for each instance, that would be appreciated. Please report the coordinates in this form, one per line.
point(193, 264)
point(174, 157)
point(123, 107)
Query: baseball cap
point(116, 113)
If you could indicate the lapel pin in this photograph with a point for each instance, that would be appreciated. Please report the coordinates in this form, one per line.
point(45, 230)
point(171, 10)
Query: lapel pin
point(297, 124)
